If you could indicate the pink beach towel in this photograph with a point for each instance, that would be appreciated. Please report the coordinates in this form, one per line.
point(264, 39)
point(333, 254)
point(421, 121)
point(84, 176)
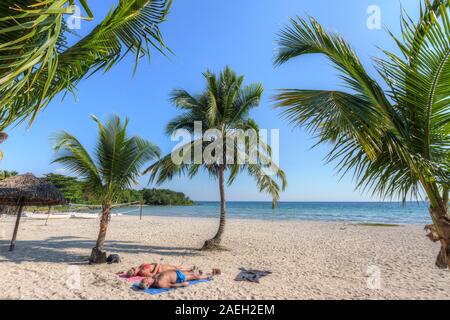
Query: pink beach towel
point(123, 275)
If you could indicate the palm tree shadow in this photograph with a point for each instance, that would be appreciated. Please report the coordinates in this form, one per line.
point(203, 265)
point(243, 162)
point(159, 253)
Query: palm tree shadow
point(61, 249)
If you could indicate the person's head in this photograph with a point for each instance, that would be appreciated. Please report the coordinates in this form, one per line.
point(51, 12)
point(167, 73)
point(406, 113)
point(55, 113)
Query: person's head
point(146, 283)
point(132, 272)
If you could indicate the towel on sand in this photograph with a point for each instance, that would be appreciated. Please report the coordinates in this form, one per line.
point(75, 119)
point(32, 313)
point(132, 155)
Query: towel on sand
point(123, 275)
point(160, 290)
point(251, 275)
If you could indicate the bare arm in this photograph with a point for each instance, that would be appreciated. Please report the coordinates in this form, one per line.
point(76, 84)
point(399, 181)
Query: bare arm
point(155, 270)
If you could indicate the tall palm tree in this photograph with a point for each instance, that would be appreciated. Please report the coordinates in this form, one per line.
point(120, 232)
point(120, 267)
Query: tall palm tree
point(114, 166)
point(37, 62)
point(395, 141)
point(224, 107)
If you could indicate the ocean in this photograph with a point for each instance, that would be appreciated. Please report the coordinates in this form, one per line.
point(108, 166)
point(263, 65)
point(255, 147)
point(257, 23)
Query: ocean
point(360, 212)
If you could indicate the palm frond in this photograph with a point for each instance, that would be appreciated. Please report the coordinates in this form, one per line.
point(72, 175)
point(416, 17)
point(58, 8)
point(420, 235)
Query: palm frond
point(75, 158)
point(264, 182)
point(118, 158)
point(301, 38)
point(38, 69)
point(395, 143)
point(165, 169)
point(419, 85)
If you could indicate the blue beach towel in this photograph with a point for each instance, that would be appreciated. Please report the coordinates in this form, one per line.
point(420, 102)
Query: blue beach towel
point(155, 291)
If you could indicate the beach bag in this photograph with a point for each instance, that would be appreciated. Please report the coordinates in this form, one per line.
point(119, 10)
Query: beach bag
point(113, 258)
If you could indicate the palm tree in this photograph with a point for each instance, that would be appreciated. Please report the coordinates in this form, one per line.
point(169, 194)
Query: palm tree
point(37, 62)
point(3, 138)
point(224, 107)
point(395, 141)
point(114, 166)
point(4, 174)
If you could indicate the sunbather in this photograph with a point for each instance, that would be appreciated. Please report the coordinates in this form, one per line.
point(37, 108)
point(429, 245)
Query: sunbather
point(172, 279)
point(152, 269)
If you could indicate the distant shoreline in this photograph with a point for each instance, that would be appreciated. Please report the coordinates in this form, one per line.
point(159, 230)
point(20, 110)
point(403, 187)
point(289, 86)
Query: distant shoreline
point(411, 213)
point(325, 201)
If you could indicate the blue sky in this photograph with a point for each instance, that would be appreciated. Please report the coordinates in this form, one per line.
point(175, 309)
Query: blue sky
point(211, 34)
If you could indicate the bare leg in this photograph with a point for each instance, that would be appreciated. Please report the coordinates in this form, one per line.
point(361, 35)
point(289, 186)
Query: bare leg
point(192, 276)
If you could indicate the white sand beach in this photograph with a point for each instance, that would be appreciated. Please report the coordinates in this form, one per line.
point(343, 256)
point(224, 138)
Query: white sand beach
point(309, 260)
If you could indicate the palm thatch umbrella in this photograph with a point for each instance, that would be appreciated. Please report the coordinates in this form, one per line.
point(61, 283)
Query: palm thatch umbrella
point(27, 190)
point(3, 137)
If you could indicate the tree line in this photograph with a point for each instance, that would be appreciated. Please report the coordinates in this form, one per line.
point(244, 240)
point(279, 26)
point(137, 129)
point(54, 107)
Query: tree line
point(75, 191)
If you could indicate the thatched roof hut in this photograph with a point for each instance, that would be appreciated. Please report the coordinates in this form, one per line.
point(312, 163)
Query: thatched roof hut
point(27, 190)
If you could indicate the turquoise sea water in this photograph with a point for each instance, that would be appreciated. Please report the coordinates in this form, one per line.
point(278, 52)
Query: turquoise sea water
point(369, 212)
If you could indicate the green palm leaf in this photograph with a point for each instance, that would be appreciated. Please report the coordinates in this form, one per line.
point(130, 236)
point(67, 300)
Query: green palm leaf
point(114, 166)
point(37, 64)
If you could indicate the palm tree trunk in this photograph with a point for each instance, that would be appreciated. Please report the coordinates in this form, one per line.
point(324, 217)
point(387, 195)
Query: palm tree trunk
point(98, 255)
point(440, 229)
point(215, 241)
point(441, 221)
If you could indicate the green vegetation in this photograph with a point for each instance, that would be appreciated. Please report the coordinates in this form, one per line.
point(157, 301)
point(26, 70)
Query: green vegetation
point(70, 187)
point(75, 191)
point(114, 167)
point(165, 197)
point(381, 225)
point(4, 174)
point(396, 142)
point(223, 106)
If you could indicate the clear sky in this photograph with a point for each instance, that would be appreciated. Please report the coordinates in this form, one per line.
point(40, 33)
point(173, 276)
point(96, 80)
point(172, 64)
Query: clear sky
point(211, 34)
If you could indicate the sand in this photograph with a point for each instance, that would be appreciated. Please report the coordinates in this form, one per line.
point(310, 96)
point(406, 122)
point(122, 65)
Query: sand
point(309, 260)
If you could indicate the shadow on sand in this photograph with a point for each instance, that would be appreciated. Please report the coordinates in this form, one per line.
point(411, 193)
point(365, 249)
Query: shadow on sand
point(60, 249)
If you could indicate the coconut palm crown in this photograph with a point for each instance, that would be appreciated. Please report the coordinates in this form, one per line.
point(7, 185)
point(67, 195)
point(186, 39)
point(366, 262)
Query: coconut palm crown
point(395, 141)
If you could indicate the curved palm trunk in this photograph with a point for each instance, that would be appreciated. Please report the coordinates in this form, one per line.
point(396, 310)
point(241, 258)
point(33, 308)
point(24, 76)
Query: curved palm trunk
point(215, 241)
point(440, 231)
point(98, 255)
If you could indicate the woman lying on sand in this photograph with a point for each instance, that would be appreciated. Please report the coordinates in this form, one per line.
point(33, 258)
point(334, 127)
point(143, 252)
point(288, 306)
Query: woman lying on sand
point(172, 279)
point(152, 269)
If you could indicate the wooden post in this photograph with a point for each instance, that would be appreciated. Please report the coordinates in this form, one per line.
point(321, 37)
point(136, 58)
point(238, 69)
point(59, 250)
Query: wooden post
point(48, 214)
point(140, 214)
point(16, 228)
